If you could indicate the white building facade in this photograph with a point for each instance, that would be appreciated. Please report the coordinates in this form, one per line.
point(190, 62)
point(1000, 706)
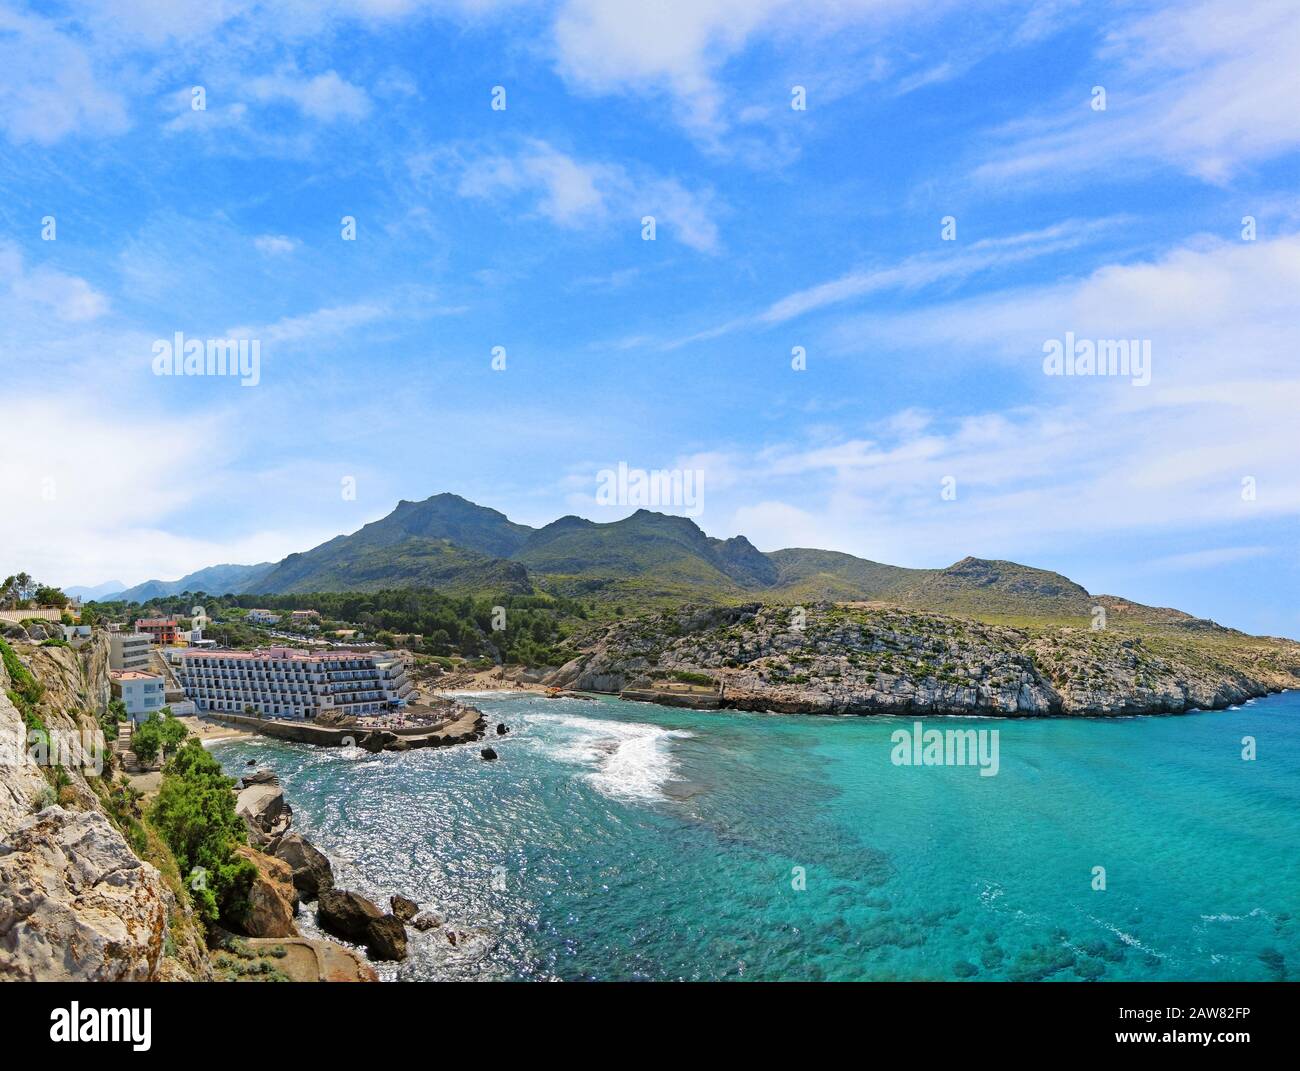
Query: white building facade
point(129, 650)
point(142, 693)
point(283, 682)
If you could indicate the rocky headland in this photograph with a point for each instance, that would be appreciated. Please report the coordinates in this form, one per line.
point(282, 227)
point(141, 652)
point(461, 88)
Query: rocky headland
point(852, 658)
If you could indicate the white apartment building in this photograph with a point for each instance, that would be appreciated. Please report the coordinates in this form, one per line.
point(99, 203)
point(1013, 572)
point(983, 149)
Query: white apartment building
point(129, 650)
point(283, 682)
point(263, 617)
point(141, 692)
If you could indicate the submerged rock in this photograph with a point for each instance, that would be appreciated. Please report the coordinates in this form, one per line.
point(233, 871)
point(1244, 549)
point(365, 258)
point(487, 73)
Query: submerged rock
point(488, 754)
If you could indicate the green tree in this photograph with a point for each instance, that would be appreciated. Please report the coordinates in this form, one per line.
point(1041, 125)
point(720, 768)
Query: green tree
point(195, 814)
point(146, 739)
point(50, 596)
point(162, 732)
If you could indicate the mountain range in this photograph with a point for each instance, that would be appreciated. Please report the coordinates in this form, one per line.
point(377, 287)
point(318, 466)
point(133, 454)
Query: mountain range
point(453, 545)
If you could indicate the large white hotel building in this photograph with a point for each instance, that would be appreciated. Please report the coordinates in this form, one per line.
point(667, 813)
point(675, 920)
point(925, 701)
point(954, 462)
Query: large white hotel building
point(283, 682)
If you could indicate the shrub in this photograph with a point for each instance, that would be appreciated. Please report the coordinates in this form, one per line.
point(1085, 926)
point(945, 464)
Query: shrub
point(195, 814)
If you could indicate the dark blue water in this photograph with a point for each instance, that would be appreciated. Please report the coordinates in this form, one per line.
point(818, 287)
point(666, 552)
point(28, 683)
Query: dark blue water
point(621, 840)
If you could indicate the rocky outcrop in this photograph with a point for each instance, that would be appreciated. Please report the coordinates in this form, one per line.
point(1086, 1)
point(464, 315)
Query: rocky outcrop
point(354, 918)
point(264, 811)
point(76, 904)
point(856, 659)
point(310, 869)
point(386, 938)
point(271, 899)
point(403, 908)
point(22, 785)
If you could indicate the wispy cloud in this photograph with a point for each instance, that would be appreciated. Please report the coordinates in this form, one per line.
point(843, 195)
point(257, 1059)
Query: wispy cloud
point(578, 194)
point(1208, 88)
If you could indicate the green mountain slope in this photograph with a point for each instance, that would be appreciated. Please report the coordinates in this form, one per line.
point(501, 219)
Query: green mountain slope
point(450, 544)
point(412, 563)
point(444, 542)
point(647, 555)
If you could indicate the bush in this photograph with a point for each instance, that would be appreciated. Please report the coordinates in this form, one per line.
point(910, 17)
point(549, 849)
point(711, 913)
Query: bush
point(160, 731)
point(195, 814)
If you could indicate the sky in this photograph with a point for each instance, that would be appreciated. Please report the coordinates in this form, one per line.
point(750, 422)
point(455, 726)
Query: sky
point(871, 219)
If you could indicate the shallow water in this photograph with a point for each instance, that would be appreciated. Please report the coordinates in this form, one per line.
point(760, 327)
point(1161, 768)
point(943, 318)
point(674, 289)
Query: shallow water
point(617, 840)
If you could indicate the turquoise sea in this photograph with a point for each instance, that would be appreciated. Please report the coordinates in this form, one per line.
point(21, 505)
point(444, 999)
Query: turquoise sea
point(617, 840)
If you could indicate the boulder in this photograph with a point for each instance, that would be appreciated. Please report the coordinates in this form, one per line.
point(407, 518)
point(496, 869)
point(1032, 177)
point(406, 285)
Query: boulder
point(264, 811)
point(426, 920)
point(76, 904)
point(354, 918)
point(403, 908)
point(377, 740)
point(272, 899)
point(488, 754)
point(260, 777)
point(346, 914)
point(311, 870)
point(386, 938)
point(502, 729)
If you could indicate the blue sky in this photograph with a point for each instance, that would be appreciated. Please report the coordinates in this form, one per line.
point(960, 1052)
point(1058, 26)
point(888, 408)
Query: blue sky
point(775, 228)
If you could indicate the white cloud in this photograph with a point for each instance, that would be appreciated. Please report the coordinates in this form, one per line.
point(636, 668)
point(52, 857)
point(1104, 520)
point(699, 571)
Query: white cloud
point(50, 88)
point(1075, 461)
point(955, 262)
point(1209, 88)
point(324, 97)
point(275, 244)
point(67, 297)
point(951, 262)
point(322, 323)
point(579, 194)
point(679, 48)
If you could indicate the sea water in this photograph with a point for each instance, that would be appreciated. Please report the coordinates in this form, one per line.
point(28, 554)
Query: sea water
point(616, 840)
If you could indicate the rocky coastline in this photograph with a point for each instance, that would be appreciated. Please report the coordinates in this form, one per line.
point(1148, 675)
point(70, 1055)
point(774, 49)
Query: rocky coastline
point(859, 659)
point(82, 901)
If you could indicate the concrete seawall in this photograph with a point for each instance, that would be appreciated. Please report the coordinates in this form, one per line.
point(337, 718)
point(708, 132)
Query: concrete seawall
point(469, 726)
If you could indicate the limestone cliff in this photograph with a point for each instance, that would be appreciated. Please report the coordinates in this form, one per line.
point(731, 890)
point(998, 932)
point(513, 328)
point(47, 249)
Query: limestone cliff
point(77, 900)
point(872, 659)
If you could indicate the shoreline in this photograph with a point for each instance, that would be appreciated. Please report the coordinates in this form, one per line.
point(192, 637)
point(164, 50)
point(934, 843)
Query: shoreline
point(725, 708)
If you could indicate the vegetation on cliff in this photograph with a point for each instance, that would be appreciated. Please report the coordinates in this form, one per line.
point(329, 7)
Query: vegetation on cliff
point(861, 659)
point(195, 814)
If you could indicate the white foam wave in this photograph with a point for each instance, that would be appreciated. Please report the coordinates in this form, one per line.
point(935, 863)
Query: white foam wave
point(632, 761)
